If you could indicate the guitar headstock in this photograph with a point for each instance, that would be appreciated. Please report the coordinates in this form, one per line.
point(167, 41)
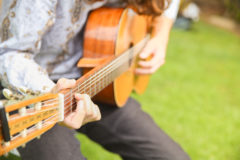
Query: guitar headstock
point(26, 119)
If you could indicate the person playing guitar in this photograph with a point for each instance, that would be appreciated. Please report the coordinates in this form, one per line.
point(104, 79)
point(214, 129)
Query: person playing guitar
point(41, 42)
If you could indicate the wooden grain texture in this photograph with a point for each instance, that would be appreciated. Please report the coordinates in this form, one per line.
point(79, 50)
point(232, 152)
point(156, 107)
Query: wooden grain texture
point(99, 41)
point(22, 140)
point(132, 29)
point(27, 102)
point(19, 123)
point(91, 62)
point(111, 32)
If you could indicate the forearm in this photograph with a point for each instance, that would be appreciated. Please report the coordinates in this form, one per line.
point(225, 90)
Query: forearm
point(162, 24)
point(161, 28)
point(156, 47)
point(20, 70)
point(24, 30)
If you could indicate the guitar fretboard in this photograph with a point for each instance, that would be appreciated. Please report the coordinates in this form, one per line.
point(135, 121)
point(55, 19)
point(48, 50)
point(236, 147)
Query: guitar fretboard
point(101, 77)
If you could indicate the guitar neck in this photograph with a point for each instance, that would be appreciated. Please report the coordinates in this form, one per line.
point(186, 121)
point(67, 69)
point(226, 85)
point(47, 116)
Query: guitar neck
point(100, 77)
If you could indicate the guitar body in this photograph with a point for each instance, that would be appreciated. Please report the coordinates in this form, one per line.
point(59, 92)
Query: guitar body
point(110, 32)
point(107, 61)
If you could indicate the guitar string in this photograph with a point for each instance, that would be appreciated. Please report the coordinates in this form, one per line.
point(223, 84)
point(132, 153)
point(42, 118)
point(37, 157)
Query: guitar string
point(55, 118)
point(45, 122)
point(111, 64)
point(34, 127)
point(70, 107)
point(49, 121)
point(66, 109)
point(46, 103)
point(136, 47)
point(33, 112)
point(120, 60)
point(125, 54)
point(74, 103)
point(87, 87)
point(54, 115)
point(83, 85)
point(93, 79)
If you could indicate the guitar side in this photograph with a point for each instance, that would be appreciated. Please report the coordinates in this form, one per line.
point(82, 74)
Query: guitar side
point(110, 32)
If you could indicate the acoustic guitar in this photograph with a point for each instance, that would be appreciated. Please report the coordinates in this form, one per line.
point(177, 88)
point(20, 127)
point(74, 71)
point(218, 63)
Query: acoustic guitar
point(112, 40)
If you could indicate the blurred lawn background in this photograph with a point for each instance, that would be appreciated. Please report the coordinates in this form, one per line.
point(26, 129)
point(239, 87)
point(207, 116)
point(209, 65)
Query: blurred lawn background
point(194, 97)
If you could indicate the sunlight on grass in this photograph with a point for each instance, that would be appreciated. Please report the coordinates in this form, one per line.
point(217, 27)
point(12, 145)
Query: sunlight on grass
point(195, 97)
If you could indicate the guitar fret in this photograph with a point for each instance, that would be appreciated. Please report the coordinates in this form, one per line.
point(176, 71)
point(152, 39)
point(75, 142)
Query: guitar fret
point(90, 94)
point(105, 75)
point(71, 99)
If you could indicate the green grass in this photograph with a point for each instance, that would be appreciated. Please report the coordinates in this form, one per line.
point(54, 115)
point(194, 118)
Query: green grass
point(195, 96)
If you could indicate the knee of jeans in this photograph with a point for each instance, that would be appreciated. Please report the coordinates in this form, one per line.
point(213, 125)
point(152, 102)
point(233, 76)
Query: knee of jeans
point(133, 102)
point(169, 153)
point(179, 156)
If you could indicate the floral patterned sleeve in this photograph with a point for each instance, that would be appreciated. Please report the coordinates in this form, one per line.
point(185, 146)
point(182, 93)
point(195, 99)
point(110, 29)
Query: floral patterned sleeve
point(22, 25)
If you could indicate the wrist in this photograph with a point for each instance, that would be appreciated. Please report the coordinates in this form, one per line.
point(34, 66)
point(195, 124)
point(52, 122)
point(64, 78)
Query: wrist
point(161, 26)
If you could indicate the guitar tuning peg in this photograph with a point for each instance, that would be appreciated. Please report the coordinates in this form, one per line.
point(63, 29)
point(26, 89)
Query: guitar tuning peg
point(38, 137)
point(35, 93)
point(18, 96)
point(38, 106)
point(23, 145)
point(22, 111)
point(27, 91)
point(23, 89)
point(12, 96)
point(7, 93)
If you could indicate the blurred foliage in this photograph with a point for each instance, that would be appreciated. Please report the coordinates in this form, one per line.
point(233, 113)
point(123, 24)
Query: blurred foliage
point(219, 7)
point(233, 7)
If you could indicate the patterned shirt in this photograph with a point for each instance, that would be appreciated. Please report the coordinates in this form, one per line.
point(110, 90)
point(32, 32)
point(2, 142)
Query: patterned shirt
point(39, 40)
